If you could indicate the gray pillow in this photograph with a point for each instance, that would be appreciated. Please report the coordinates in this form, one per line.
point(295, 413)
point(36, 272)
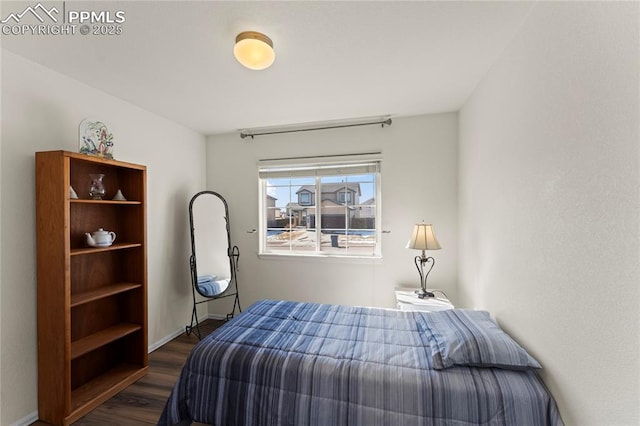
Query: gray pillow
point(472, 338)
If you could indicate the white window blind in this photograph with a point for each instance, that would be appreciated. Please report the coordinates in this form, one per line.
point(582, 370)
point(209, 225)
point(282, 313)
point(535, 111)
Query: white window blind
point(320, 166)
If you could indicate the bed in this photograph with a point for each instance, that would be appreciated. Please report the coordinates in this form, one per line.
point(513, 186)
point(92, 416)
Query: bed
point(291, 363)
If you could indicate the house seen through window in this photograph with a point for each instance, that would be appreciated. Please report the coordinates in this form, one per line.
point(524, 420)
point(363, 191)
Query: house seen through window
point(320, 208)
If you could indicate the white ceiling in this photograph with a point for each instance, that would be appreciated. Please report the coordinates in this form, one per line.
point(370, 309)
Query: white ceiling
point(334, 60)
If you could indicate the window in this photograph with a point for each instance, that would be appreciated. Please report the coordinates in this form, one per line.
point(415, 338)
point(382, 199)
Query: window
point(345, 196)
point(320, 207)
point(304, 198)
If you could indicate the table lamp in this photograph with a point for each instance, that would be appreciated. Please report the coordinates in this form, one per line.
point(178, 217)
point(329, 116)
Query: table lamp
point(423, 238)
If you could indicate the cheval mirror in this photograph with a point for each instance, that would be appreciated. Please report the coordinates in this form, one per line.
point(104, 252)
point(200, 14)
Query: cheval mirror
point(213, 261)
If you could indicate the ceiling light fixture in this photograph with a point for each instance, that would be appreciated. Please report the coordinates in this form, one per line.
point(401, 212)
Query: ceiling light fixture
point(254, 50)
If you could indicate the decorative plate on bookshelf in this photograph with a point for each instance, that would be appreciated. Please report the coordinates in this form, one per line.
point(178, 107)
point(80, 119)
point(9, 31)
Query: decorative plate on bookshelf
point(95, 139)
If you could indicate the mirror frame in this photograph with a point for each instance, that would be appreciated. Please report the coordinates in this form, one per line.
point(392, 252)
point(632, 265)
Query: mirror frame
point(193, 259)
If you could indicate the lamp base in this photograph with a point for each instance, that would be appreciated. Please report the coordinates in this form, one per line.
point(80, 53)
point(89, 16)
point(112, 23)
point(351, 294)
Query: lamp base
point(422, 293)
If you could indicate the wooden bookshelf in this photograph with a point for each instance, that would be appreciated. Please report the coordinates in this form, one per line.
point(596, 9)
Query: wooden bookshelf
point(114, 246)
point(101, 338)
point(92, 301)
point(90, 395)
point(106, 291)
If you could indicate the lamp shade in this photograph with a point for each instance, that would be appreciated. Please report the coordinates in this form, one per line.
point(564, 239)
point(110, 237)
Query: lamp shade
point(254, 50)
point(423, 238)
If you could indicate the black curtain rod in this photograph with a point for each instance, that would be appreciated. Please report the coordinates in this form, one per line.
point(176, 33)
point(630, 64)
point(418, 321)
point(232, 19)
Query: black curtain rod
point(337, 126)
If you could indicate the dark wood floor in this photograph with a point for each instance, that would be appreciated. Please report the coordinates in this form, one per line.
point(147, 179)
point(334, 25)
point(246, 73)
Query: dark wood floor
point(143, 402)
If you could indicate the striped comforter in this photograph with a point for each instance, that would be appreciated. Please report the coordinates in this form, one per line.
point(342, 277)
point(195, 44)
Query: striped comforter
point(288, 363)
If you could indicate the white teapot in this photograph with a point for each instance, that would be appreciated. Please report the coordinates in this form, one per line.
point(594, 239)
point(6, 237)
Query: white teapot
point(100, 238)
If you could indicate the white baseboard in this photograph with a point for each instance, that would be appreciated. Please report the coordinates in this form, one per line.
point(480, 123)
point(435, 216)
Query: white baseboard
point(165, 340)
point(216, 316)
point(176, 333)
point(26, 420)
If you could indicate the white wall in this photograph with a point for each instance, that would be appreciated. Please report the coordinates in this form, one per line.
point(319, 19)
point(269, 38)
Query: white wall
point(41, 111)
point(419, 181)
point(1, 126)
point(549, 203)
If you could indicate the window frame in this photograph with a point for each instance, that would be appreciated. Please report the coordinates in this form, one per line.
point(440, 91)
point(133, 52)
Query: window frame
point(317, 168)
point(345, 196)
point(308, 201)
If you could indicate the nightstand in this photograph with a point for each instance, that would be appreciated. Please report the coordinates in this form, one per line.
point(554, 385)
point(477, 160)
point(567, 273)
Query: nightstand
point(408, 300)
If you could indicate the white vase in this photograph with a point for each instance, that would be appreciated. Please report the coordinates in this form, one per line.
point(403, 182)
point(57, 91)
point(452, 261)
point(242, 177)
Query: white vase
point(119, 196)
point(72, 194)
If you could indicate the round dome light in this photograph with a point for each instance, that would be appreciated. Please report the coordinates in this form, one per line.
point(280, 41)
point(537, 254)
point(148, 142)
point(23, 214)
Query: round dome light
point(254, 50)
